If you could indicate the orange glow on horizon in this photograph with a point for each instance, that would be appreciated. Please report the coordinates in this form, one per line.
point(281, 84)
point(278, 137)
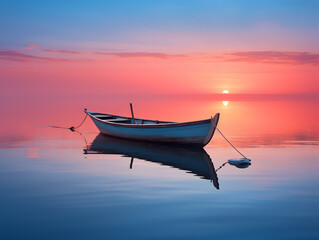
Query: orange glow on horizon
point(150, 73)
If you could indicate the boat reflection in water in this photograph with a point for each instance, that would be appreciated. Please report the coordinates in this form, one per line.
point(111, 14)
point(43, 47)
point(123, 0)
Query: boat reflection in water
point(192, 160)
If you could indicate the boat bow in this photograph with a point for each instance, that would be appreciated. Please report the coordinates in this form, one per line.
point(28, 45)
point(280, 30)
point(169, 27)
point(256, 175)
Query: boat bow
point(213, 125)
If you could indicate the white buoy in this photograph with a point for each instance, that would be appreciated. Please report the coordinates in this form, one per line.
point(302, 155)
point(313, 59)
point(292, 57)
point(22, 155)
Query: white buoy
point(236, 161)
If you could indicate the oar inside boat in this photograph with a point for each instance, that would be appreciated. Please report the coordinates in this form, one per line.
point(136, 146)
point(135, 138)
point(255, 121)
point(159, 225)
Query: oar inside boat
point(133, 119)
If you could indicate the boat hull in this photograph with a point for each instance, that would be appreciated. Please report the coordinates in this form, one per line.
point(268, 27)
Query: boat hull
point(196, 133)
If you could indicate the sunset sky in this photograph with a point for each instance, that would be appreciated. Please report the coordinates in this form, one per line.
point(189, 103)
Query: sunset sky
point(159, 47)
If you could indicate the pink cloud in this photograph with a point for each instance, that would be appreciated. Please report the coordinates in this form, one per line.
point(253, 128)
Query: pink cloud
point(61, 51)
point(31, 46)
point(140, 55)
point(119, 54)
point(265, 57)
point(14, 55)
point(273, 57)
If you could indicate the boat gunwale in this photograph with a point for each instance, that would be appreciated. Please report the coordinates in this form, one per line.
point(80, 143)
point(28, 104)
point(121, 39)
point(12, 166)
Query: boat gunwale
point(158, 125)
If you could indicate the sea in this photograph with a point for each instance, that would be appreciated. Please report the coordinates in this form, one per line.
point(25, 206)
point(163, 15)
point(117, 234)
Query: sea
point(62, 184)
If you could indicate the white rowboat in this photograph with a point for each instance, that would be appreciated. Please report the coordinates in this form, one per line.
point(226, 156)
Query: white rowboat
point(197, 133)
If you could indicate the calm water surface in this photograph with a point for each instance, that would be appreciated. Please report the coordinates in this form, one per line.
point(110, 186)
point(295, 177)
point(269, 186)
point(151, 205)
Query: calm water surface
point(57, 184)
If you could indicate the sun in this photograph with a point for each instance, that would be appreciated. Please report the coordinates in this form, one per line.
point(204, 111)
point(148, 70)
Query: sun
point(225, 91)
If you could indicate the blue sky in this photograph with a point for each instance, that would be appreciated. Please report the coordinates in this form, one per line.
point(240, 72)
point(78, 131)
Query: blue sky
point(164, 25)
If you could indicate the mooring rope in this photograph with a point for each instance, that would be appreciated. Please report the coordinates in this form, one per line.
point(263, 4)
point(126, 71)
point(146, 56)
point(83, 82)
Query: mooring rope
point(72, 128)
point(221, 166)
point(86, 142)
point(228, 141)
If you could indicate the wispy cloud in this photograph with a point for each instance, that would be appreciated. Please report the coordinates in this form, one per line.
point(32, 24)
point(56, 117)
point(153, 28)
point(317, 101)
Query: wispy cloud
point(31, 46)
point(159, 55)
point(273, 57)
point(141, 55)
point(14, 55)
point(265, 57)
point(62, 51)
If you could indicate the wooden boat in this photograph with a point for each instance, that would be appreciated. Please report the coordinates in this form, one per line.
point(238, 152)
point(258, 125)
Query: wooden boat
point(194, 160)
point(197, 133)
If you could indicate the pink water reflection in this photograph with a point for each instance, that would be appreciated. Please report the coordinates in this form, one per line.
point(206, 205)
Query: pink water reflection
point(246, 123)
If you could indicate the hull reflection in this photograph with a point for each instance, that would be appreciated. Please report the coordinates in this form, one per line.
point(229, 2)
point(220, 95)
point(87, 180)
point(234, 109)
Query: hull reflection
point(191, 160)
